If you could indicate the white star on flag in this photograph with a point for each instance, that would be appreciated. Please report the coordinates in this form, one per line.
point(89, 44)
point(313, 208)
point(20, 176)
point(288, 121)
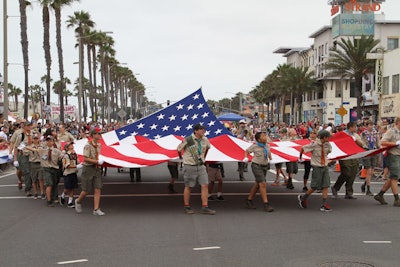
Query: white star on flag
point(176, 119)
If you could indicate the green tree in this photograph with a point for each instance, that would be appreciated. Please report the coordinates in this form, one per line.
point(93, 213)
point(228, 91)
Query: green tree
point(83, 23)
point(15, 92)
point(348, 59)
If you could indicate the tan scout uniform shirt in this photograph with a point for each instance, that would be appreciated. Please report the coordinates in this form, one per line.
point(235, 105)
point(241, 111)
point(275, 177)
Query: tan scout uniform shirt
point(91, 151)
point(187, 155)
point(70, 160)
point(392, 135)
point(33, 155)
point(56, 155)
point(316, 148)
point(65, 137)
point(258, 156)
point(15, 134)
point(19, 140)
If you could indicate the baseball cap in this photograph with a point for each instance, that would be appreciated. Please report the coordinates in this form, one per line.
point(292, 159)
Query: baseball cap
point(49, 137)
point(242, 121)
point(198, 127)
point(95, 131)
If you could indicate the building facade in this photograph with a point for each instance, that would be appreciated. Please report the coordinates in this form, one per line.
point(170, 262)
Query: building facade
point(337, 95)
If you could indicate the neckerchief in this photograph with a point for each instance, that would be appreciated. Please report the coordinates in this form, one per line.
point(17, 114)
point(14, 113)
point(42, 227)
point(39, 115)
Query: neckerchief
point(264, 147)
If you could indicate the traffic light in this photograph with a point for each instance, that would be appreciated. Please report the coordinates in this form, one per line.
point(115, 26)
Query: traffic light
point(168, 102)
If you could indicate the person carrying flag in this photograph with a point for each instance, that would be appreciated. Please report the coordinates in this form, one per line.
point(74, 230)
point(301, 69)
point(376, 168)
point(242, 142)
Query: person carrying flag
point(260, 167)
point(195, 148)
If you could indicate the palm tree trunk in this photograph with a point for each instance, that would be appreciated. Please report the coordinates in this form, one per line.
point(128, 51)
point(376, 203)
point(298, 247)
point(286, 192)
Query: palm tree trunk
point(91, 93)
point(60, 61)
point(96, 109)
point(46, 47)
point(25, 55)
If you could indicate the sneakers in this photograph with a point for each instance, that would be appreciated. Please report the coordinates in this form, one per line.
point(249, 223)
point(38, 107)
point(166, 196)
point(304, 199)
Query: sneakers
point(249, 204)
point(39, 196)
point(50, 204)
point(276, 183)
point(302, 202)
point(241, 178)
point(220, 198)
point(98, 212)
point(188, 210)
point(325, 208)
point(363, 188)
point(211, 198)
point(78, 206)
point(380, 199)
point(369, 193)
point(171, 189)
point(305, 189)
point(62, 201)
point(268, 208)
point(43, 196)
point(19, 185)
point(349, 197)
point(28, 193)
point(334, 191)
point(207, 210)
point(71, 205)
point(290, 185)
point(396, 203)
point(35, 196)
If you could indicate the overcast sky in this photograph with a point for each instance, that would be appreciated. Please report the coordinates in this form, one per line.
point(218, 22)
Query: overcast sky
point(178, 46)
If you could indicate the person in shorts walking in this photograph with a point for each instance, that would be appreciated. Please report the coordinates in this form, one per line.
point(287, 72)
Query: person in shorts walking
point(320, 175)
point(70, 163)
point(91, 173)
point(260, 166)
point(370, 137)
point(390, 138)
point(195, 148)
point(214, 171)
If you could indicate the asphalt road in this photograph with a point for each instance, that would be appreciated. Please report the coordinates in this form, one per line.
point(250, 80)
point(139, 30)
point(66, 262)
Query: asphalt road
point(146, 226)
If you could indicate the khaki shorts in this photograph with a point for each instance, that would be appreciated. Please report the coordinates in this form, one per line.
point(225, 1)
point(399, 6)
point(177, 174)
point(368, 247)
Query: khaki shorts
point(194, 174)
point(320, 178)
point(260, 172)
point(50, 176)
point(91, 178)
point(370, 162)
point(214, 174)
point(393, 163)
point(36, 172)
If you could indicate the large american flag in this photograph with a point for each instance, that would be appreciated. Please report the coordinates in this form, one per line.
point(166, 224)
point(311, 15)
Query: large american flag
point(177, 119)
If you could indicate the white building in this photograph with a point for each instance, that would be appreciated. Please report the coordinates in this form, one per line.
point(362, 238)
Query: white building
point(336, 91)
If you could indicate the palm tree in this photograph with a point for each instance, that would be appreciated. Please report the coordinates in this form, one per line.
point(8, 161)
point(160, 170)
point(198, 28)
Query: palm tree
point(15, 92)
point(348, 59)
point(83, 23)
point(46, 46)
point(57, 5)
point(58, 85)
point(34, 95)
point(25, 53)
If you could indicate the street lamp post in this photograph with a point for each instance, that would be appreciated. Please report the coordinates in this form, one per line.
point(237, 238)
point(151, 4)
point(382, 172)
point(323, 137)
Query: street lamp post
point(42, 94)
point(5, 63)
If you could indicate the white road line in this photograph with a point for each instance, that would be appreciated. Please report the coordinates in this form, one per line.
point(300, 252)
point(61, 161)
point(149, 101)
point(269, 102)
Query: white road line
point(180, 194)
point(71, 262)
point(206, 248)
point(377, 242)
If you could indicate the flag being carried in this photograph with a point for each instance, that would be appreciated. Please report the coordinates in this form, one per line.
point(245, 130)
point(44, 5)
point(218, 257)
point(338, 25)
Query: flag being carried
point(177, 119)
